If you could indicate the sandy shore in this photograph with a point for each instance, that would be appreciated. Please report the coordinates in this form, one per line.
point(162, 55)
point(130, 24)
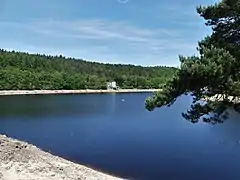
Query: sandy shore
point(219, 97)
point(87, 91)
point(23, 161)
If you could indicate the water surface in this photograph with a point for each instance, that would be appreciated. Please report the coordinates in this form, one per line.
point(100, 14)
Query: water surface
point(114, 133)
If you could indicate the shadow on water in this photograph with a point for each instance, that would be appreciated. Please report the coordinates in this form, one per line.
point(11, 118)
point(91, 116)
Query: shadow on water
point(115, 133)
point(229, 131)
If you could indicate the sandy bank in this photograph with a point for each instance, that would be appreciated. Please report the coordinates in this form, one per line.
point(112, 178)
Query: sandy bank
point(220, 97)
point(22, 161)
point(87, 91)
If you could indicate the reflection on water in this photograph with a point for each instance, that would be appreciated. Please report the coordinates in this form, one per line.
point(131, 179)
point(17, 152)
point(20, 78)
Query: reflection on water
point(123, 138)
point(52, 105)
point(229, 131)
point(112, 106)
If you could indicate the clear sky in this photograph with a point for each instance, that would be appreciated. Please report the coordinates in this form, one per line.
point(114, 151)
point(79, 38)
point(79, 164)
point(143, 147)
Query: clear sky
point(143, 32)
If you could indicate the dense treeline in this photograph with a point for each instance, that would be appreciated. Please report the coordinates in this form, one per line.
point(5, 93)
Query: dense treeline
point(23, 71)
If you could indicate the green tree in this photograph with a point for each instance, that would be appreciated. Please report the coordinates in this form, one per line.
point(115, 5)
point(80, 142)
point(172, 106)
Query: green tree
point(215, 72)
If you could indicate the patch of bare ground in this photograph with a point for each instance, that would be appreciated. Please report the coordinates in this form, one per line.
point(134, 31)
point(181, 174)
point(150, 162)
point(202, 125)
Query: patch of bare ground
point(22, 161)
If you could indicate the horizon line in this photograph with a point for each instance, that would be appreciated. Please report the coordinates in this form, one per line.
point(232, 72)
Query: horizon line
point(83, 59)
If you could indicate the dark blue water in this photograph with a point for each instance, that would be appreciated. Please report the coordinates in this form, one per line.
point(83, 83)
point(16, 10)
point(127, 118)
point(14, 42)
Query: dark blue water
point(122, 138)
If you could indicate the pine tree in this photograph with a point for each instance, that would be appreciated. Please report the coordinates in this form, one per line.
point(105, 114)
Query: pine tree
point(214, 73)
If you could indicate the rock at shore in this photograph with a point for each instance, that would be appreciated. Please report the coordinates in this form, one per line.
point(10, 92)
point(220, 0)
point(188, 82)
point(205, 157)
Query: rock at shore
point(22, 161)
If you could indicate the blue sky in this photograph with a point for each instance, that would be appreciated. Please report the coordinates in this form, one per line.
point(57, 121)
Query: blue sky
point(141, 32)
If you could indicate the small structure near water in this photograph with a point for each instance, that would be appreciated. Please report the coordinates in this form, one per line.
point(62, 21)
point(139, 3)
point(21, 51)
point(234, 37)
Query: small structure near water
point(112, 85)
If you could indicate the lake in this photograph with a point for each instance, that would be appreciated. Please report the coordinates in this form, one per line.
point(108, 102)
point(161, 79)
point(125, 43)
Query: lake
point(115, 134)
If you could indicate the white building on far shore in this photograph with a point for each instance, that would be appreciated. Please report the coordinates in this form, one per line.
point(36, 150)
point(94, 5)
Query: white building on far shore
point(112, 85)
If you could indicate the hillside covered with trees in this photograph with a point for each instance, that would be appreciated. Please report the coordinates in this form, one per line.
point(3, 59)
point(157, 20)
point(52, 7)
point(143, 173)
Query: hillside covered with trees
point(23, 71)
point(216, 72)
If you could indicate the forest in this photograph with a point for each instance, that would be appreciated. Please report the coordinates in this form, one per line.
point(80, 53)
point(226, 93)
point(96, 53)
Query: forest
point(24, 71)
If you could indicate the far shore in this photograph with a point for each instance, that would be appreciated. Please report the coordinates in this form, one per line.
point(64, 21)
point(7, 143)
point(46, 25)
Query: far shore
point(82, 91)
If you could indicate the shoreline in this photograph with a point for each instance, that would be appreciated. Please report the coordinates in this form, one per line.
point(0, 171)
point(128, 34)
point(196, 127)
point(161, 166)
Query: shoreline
point(82, 91)
point(21, 160)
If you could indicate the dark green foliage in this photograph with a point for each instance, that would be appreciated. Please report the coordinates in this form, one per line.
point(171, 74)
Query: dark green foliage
point(215, 72)
point(22, 71)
